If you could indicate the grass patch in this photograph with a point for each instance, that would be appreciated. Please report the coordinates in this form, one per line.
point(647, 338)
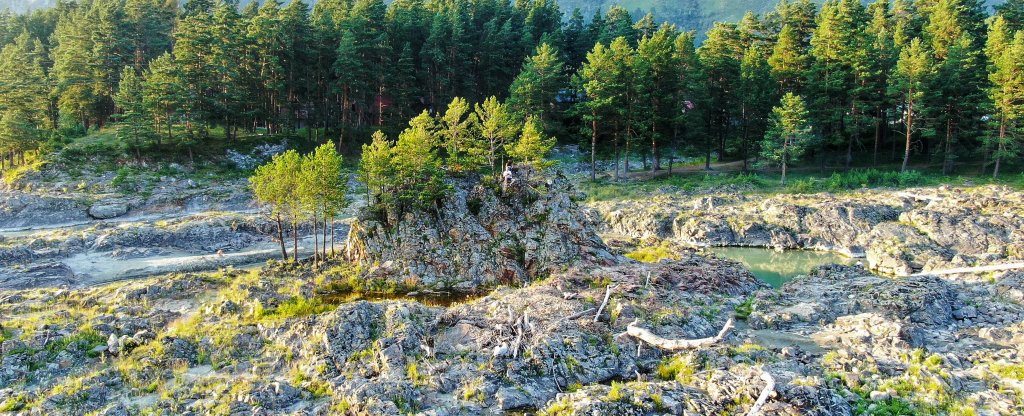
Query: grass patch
point(679, 368)
point(616, 394)
point(797, 182)
point(652, 254)
point(744, 309)
point(295, 307)
point(1011, 371)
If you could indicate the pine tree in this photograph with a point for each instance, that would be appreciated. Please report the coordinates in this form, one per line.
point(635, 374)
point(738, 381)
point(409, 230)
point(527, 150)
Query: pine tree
point(71, 72)
point(720, 58)
point(267, 41)
point(690, 90)
point(162, 93)
point(955, 96)
point(535, 91)
point(276, 186)
point(322, 189)
point(656, 69)
point(532, 146)
point(24, 86)
point(600, 82)
point(839, 72)
point(1006, 74)
point(883, 58)
point(417, 166)
point(907, 83)
point(616, 23)
point(496, 127)
point(788, 61)
point(134, 123)
point(376, 169)
point(789, 133)
point(18, 133)
point(756, 92)
point(1013, 12)
point(624, 78)
point(464, 153)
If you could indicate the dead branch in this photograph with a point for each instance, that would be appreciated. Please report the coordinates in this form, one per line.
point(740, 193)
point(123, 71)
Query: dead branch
point(578, 314)
point(675, 344)
point(607, 293)
point(769, 388)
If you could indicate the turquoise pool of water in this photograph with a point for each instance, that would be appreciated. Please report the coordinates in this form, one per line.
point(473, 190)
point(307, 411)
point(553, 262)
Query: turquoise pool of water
point(778, 267)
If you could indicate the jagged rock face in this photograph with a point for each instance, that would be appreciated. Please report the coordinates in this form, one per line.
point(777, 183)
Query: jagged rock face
point(481, 236)
point(898, 232)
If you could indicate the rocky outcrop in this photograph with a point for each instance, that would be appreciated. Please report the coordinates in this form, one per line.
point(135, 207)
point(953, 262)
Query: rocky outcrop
point(21, 209)
point(480, 236)
point(899, 232)
point(830, 292)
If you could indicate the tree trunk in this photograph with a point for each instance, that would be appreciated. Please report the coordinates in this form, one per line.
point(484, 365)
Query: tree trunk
point(625, 165)
point(615, 144)
point(910, 129)
point(280, 238)
point(295, 240)
point(316, 240)
point(999, 148)
point(593, 146)
point(878, 137)
point(785, 158)
point(655, 160)
point(947, 157)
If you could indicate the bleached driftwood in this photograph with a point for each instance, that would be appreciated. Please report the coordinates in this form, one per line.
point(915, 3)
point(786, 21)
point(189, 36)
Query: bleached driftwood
point(607, 293)
point(676, 344)
point(769, 388)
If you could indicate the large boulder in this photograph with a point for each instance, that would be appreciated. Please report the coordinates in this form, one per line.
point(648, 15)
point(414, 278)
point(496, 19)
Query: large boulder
point(108, 209)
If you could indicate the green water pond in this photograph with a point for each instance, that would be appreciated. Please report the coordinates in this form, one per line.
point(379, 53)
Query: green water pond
point(779, 267)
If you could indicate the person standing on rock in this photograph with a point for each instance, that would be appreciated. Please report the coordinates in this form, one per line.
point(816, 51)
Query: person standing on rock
point(507, 178)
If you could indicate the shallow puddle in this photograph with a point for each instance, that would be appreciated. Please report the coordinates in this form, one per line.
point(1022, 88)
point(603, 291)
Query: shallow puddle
point(779, 267)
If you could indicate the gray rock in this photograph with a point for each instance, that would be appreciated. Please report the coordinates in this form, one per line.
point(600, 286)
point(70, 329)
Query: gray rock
point(108, 209)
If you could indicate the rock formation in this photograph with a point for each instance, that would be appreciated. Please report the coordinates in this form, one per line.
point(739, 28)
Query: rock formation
point(480, 235)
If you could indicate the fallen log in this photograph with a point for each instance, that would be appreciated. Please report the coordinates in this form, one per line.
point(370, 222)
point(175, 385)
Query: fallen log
point(676, 344)
point(769, 388)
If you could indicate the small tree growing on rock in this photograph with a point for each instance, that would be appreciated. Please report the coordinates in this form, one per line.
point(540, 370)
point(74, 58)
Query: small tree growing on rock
point(464, 153)
point(496, 127)
point(418, 179)
point(375, 167)
point(532, 146)
point(789, 133)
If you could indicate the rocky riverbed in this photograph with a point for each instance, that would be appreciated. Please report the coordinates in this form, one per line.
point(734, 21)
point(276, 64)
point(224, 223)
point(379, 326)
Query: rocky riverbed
point(548, 327)
point(898, 232)
point(60, 231)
